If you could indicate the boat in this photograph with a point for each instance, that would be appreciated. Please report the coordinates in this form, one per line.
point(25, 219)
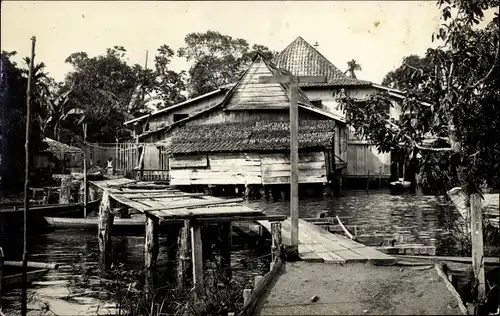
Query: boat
point(399, 186)
point(49, 209)
point(16, 280)
point(126, 224)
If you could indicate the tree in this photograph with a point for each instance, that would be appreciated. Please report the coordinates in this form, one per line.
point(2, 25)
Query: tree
point(217, 60)
point(352, 67)
point(13, 124)
point(459, 109)
point(451, 118)
point(412, 73)
point(169, 85)
point(102, 87)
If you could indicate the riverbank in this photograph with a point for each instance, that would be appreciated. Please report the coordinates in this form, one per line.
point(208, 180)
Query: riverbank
point(358, 289)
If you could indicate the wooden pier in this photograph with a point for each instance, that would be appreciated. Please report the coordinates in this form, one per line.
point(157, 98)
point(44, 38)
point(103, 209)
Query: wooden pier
point(319, 245)
point(185, 214)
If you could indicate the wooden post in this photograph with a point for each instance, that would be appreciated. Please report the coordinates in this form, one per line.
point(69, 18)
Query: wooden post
point(184, 264)
point(477, 244)
point(276, 243)
point(368, 183)
point(92, 193)
point(225, 249)
point(27, 152)
point(65, 191)
point(1, 275)
point(150, 250)
point(197, 257)
point(247, 191)
point(105, 223)
point(85, 184)
point(294, 148)
point(380, 178)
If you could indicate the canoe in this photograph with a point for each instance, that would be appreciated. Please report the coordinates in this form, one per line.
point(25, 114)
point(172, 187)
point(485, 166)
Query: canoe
point(398, 187)
point(16, 280)
point(92, 223)
point(50, 209)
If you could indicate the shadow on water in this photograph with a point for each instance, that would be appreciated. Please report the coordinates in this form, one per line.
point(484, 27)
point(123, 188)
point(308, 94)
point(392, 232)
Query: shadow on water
point(76, 288)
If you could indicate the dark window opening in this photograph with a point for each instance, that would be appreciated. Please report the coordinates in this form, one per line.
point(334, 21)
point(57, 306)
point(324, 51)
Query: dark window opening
point(317, 103)
point(178, 117)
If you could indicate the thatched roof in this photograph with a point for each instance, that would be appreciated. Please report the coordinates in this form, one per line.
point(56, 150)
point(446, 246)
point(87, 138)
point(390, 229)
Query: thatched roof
point(58, 149)
point(249, 136)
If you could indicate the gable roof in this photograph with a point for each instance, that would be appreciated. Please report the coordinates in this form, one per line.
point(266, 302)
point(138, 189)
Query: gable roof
point(250, 136)
point(175, 106)
point(58, 149)
point(249, 94)
point(303, 101)
point(302, 59)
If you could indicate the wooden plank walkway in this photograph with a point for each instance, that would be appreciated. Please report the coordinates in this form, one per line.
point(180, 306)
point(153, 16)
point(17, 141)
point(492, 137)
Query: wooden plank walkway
point(168, 204)
point(319, 245)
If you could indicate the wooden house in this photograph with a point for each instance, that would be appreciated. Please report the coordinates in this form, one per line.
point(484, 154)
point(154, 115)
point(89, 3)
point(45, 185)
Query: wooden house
point(248, 101)
point(302, 59)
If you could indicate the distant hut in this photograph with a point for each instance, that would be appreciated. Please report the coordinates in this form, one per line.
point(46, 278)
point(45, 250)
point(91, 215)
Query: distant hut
point(58, 157)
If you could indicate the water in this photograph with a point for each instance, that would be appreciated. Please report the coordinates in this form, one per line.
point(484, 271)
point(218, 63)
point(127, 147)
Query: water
point(67, 291)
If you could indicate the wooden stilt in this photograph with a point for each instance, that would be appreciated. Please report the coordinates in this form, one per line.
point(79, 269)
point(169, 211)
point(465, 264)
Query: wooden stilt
point(105, 223)
point(380, 178)
point(173, 233)
point(197, 256)
point(276, 243)
point(65, 190)
point(247, 192)
point(151, 250)
point(225, 249)
point(266, 192)
point(184, 263)
point(477, 245)
point(368, 183)
point(1, 274)
point(92, 193)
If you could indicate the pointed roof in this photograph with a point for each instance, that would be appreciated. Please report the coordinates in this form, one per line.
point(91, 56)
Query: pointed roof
point(250, 94)
point(302, 59)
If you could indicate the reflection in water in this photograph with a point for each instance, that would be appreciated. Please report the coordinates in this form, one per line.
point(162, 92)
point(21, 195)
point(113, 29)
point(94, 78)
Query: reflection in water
point(415, 219)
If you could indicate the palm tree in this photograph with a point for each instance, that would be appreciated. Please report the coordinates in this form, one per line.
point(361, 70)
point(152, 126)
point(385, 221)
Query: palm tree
point(352, 67)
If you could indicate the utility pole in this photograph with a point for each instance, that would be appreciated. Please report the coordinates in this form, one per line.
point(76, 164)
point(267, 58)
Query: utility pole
point(294, 148)
point(24, 308)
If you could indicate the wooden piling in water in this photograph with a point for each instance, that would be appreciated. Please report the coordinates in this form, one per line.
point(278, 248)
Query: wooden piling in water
point(184, 263)
point(65, 192)
point(477, 244)
point(105, 224)
point(1, 274)
point(150, 250)
point(197, 257)
point(225, 249)
point(276, 243)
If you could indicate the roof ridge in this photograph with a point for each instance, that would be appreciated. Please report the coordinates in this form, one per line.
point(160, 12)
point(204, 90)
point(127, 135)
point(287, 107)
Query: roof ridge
point(329, 63)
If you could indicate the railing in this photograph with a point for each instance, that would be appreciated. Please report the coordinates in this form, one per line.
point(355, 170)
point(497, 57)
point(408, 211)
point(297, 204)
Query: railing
point(153, 175)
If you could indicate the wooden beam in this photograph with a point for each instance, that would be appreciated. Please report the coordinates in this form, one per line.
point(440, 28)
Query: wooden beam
point(289, 79)
point(150, 251)
point(277, 244)
point(250, 218)
point(197, 257)
point(194, 205)
point(477, 245)
point(105, 224)
point(225, 249)
point(166, 196)
point(294, 165)
point(184, 263)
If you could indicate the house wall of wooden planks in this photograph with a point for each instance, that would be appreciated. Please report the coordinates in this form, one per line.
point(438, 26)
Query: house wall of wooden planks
point(126, 158)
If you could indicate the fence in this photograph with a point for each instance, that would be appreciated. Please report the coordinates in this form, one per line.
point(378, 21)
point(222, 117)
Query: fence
point(126, 158)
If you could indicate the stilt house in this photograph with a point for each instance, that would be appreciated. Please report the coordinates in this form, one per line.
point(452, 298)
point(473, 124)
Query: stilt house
point(251, 109)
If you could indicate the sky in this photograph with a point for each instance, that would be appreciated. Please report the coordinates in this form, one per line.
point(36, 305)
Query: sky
point(377, 34)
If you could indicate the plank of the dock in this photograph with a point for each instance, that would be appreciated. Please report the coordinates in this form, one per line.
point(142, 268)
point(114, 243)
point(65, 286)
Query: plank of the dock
point(235, 210)
point(318, 242)
point(369, 253)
